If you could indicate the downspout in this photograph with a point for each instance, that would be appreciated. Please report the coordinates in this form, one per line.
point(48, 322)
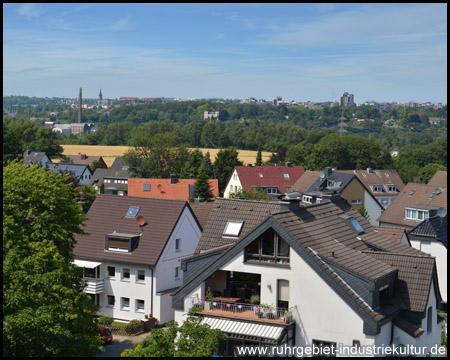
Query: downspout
point(151, 296)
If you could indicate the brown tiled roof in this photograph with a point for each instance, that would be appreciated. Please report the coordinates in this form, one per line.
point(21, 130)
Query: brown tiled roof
point(378, 177)
point(414, 277)
point(439, 179)
point(305, 181)
point(202, 212)
point(415, 196)
point(86, 159)
point(107, 214)
point(392, 232)
point(252, 213)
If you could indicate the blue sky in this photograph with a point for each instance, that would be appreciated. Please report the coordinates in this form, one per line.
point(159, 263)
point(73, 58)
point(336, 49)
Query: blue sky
point(381, 52)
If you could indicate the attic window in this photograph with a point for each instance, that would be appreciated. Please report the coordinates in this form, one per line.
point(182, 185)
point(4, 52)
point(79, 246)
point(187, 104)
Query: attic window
point(146, 187)
point(260, 175)
point(377, 188)
point(132, 211)
point(357, 227)
point(286, 176)
point(233, 228)
point(392, 188)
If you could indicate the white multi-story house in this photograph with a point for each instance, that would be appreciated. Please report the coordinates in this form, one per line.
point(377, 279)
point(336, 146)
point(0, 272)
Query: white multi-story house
point(319, 275)
point(82, 173)
point(132, 253)
point(35, 157)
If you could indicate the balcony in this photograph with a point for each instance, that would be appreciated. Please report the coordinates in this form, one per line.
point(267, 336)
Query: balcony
point(94, 285)
point(240, 311)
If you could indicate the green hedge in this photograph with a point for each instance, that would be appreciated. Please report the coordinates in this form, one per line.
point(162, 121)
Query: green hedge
point(132, 328)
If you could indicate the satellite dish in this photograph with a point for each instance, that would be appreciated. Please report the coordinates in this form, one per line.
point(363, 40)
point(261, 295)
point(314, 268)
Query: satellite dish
point(140, 220)
point(442, 211)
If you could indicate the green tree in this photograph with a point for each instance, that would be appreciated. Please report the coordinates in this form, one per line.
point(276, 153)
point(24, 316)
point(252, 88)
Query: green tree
point(102, 188)
point(427, 172)
point(192, 164)
point(258, 161)
point(87, 195)
point(45, 312)
point(363, 211)
point(226, 160)
point(191, 339)
point(249, 194)
point(296, 154)
point(202, 189)
point(209, 168)
point(96, 165)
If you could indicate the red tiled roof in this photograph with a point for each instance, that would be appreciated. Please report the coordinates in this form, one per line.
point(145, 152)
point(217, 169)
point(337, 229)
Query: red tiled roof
point(163, 189)
point(249, 176)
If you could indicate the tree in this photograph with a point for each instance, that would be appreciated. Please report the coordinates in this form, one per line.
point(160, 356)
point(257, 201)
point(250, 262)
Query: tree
point(102, 188)
point(279, 156)
point(191, 339)
point(96, 165)
point(87, 195)
point(45, 312)
point(209, 168)
point(249, 195)
point(202, 189)
point(296, 154)
point(258, 161)
point(427, 172)
point(226, 160)
point(192, 164)
point(363, 211)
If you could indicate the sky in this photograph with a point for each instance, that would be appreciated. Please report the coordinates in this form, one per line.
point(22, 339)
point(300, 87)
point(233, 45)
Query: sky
point(302, 52)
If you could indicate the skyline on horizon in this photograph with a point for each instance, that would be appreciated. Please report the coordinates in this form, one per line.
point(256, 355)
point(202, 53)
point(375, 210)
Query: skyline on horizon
point(303, 52)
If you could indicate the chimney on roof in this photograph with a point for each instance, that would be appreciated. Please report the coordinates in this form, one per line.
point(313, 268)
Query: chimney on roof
point(369, 170)
point(173, 179)
point(288, 163)
point(327, 171)
point(83, 156)
point(249, 165)
point(192, 176)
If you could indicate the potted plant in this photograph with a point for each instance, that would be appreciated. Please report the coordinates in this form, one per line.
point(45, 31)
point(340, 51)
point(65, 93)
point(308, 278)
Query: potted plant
point(208, 297)
point(151, 322)
point(254, 299)
point(288, 317)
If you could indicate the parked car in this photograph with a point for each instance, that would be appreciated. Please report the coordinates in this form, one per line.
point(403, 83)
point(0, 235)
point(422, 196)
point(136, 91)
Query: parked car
point(104, 332)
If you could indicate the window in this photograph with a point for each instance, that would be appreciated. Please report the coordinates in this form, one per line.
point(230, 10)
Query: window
point(231, 188)
point(356, 226)
point(146, 187)
point(414, 214)
point(111, 300)
point(392, 188)
point(125, 274)
point(111, 271)
point(132, 211)
point(429, 319)
point(177, 273)
point(118, 244)
point(307, 199)
point(356, 201)
point(140, 305)
point(125, 303)
point(140, 275)
point(271, 190)
point(268, 248)
point(234, 176)
point(177, 244)
point(377, 188)
point(286, 176)
point(261, 175)
point(330, 346)
point(233, 228)
point(384, 295)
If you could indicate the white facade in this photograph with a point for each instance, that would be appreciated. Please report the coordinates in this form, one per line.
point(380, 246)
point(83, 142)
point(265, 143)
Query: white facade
point(373, 208)
point(139, 293)
point(233, 185)
point(439, 251)
point(85, 177)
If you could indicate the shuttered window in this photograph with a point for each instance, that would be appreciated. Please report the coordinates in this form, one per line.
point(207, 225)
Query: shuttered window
point(118, 243)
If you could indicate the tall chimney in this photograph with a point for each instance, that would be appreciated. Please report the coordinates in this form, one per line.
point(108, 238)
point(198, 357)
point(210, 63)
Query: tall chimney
point(79, 108)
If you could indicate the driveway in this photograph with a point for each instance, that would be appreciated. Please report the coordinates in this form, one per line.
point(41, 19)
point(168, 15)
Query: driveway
point(120, 343)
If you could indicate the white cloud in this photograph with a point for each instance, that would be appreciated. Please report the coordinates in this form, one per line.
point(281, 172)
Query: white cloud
point(121, 24)
point(29, 11)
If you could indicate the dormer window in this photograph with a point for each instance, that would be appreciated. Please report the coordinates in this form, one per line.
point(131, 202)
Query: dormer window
point(132, 211)
point(307, 199)
point(392, 188)
point(416, 214)
point(121, 242)
point(384, 295)
point(377, 188)
point(233, 228)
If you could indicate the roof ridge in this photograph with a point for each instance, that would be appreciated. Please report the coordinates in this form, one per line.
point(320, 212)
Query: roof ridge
point(393, 253)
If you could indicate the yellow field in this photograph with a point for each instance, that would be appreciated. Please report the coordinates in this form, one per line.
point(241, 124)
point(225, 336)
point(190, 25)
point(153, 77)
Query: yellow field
point(109, 153)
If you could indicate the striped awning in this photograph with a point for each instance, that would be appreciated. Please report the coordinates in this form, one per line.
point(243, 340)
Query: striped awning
point(244, 329)
point(86, 264)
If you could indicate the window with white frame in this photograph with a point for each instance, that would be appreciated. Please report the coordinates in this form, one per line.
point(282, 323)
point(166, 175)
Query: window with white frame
point(307, 199)
point(111, 271)
point(377, 188)
point(231, 188)
point(233, 228)
point(416, 214)
point(125, 303)
point(140, 304)
point(111, 300)
point(140, 275)
point(125, 274)
point(358, 201)
point(177, 244)
point(392, 188)
point(271, 190)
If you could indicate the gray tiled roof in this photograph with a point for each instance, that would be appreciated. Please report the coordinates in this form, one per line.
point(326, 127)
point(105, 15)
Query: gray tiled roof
point(33, 157)
point(340, 178)
point(252, 213)
point(107, 214)
point(76, 169)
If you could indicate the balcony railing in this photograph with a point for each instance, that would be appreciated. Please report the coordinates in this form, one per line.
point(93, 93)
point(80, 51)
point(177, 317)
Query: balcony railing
point(243, 311)
point(94, 285)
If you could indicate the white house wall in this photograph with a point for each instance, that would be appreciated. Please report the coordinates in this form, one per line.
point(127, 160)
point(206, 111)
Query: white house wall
point(323, 314)
point(235, 182)
point(439, 251)
point(373, 208)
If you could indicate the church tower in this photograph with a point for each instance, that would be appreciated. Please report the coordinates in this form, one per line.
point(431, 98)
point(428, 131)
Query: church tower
point(100, 97)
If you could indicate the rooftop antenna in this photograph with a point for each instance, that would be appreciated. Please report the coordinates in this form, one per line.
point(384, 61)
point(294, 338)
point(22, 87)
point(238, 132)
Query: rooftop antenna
point(141, 220)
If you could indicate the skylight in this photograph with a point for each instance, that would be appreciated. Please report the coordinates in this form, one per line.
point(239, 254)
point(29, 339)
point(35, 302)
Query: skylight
point(260, 175)
point(286, 176)
point(132, 211)
point(357, 227)
point(233, 228)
